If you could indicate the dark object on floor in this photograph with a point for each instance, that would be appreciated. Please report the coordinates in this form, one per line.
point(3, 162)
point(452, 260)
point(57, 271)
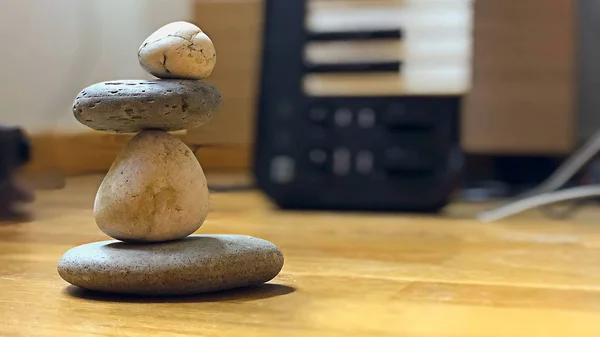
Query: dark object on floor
point(14, 150)
point(14, 153)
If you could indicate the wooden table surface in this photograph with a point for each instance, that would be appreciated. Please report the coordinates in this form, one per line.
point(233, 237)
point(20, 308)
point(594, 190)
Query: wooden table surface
point(344, 275)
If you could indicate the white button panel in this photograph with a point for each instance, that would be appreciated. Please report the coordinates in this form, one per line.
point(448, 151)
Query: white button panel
point(282, 169)
point(341, 162)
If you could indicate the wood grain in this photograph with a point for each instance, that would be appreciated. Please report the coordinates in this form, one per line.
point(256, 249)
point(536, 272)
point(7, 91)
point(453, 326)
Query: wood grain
point(348, 274)
point(235, 27)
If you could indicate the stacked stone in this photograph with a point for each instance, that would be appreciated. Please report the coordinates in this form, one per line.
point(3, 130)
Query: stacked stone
point(155, 195)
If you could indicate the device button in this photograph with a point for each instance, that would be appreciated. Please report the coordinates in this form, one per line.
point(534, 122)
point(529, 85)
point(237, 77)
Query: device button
point(366, 118)
point(282, 140)
point(342, 117)
point(364, 162)
point(318, 114)
point(282, 169)
point(318, 157)
point(399, 115)
point(398, 159)
point(285, 109)
point(341, 162)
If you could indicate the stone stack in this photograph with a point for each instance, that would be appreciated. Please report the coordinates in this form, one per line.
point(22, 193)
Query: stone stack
point(155, 195)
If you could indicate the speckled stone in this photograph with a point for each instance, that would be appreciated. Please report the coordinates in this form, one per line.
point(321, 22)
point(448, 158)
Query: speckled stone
point(196, 264)
point(155, 190)
point(130, 106)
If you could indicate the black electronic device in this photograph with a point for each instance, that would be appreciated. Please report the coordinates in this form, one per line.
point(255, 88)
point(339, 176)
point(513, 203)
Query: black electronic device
point(360, 101)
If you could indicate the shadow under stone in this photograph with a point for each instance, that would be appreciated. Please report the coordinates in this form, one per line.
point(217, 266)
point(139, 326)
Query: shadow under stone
point(244, 294)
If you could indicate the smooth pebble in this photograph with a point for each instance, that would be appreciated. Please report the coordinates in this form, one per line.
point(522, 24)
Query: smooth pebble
point(154, 191)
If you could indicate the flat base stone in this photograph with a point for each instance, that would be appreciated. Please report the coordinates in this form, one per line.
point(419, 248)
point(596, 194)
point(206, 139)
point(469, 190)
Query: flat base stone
point(196, 264)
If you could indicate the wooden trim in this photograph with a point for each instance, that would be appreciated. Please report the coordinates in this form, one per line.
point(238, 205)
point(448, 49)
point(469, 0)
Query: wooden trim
point(94, 152)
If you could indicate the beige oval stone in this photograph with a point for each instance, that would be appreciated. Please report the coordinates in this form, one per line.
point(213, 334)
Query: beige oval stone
point(154, 191)
point(178, 50)
point(196, 264)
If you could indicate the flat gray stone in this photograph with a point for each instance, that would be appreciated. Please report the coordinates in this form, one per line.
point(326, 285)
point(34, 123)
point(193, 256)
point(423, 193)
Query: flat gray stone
point(196, 264)
point(130, 106)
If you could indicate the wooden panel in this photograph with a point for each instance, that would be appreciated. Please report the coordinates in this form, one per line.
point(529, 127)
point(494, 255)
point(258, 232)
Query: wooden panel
point(90, 152)
point(523, 94)
point(233, 130)
point(235, 27)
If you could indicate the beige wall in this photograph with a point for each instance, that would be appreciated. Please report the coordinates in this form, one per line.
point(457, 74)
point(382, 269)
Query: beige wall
point(52, 49)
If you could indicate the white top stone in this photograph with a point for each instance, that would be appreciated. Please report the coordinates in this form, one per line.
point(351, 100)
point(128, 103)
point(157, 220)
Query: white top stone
point(178, 50)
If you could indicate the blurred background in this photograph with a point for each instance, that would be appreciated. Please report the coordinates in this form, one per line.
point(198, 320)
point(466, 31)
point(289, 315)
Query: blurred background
point(55, 48)
point(533, 98)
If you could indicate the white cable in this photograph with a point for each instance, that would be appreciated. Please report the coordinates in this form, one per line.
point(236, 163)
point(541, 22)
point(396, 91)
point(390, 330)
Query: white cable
point(571, 166)
point(542, 195)
point(540, 200)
